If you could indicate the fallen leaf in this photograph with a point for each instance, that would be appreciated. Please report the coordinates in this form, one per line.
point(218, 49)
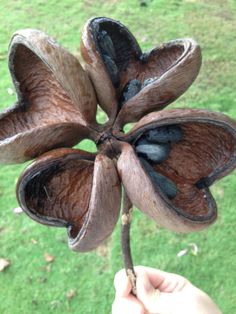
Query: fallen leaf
point(71, 294)
point(49, 258)
point(4, 263)
point(194, 248)
point(17, 210)
point(182, 253)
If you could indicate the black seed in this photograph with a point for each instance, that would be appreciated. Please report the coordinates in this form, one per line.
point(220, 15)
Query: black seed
point(203, 183)
point(132, 88)
point(142, 140)
point(106, 45)
point(167, 186)
point(172, 133)
point(148, 81)
point(112, 69)
point(146, 164)
point(154, 152)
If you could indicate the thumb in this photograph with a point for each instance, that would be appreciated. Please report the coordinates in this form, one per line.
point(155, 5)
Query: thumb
point(147, 294)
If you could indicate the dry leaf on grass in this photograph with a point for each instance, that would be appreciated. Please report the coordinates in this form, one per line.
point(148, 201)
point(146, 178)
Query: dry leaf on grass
point(192, 248)
point(4, 263)
point(71, 294)
point(182, 252)
point(49, 258)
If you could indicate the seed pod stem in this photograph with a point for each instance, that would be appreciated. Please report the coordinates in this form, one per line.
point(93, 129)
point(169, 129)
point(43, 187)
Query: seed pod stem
point(125, 241)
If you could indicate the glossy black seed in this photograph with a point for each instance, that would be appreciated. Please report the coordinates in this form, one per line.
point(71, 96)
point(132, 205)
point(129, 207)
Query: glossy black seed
point(132, 88)
point(164, 134)
point(167, 186)
point(155, 152)
point(106, 45)
point(148, 81)
point(203, 183)
point(112, 69)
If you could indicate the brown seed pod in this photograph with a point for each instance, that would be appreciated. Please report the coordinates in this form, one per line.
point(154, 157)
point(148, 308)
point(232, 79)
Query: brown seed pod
point(165, 164)
point(193, 170)
point(56, 102)
point(172, 67)
point(74, 189)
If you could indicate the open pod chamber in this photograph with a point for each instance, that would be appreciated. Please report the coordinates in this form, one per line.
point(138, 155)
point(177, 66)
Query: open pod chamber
point(136, 83)
point(205, 153)
point(56, 104)
point(111, 60)
point(73, 189)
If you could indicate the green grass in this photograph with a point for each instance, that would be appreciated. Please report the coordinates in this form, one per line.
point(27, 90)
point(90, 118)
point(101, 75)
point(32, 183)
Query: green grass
point(30, 285)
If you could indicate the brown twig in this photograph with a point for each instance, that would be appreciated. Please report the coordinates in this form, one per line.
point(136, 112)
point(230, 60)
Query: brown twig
point(125, 240)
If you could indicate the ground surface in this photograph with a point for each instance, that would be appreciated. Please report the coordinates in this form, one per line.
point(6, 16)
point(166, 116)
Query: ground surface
point(83, 283)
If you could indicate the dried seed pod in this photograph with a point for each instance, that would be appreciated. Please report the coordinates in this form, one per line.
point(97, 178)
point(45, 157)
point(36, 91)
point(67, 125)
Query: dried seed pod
point(178, 68)
point(56, 102)
point(73, 189)
point(126, 49)
point(31, 48)
point(154, 152)
point(57, 106)
point(165, 72)
point(191, 169)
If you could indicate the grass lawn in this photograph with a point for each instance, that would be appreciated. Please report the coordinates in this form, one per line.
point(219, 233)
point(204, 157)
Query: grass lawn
point(83, 283)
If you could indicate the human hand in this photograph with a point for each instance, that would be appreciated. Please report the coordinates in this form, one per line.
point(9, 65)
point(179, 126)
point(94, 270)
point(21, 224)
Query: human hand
point(159, 292)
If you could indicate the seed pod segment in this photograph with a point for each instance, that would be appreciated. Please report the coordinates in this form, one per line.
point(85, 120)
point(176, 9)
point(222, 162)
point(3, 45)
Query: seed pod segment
point(73, 189)
point(165, 72)
point(205, 153)
point(56, 102)
point(121, 49)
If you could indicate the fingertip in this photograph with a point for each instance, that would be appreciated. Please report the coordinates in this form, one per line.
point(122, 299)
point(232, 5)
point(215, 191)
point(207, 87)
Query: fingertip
point(122, 284)
point(127, 306)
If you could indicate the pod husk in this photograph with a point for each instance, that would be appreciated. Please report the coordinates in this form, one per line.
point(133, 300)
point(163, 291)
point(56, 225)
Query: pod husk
point(56, 102)
point(206, 152)
point(174, 66)
point(106, 93)
point(71, 188)
point(60, 67)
